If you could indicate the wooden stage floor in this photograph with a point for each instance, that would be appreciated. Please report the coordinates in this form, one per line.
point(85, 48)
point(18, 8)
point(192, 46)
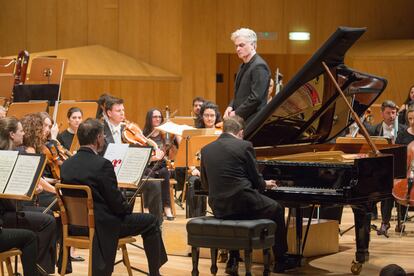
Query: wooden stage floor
point(383, 251)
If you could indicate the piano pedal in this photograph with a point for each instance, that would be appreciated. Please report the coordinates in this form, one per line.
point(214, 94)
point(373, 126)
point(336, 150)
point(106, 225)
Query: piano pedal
point(356, 267)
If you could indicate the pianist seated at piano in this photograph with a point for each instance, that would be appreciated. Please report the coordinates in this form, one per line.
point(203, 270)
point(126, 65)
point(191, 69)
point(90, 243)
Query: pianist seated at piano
point(387, 128)
point(229, 173)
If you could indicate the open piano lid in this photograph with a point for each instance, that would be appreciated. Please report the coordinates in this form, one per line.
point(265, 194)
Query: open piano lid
point(309, 109)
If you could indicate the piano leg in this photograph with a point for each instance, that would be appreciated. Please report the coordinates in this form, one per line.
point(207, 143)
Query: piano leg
point(362, 232)
point(362, 219)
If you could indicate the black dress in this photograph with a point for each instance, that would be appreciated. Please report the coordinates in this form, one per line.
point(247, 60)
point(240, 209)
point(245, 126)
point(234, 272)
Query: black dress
point(404, 137)
point(65, 138)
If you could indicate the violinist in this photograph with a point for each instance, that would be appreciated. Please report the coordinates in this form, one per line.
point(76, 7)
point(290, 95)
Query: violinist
point(197, 205)
point(74, 116)
point(35, 137)
point(158, 166)
point(31, 218)
point(113, 128)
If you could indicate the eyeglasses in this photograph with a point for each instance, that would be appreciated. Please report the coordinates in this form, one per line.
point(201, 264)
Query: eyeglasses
point(209, 115)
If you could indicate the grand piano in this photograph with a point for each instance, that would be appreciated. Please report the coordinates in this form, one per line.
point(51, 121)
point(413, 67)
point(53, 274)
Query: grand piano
point(294, 138)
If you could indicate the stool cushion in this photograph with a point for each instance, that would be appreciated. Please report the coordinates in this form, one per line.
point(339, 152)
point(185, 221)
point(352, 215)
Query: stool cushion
point(211, 232)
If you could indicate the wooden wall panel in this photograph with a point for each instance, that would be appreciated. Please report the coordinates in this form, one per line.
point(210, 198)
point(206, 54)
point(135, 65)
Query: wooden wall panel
point(198, 53)
point(103, 23)
point(269, 18)
point(301, 18)
point(165, 34)
point(72, 23)
point(41, 25)
point(134, 28)
point(231, 15)
point(12, 26)
point(329, 16)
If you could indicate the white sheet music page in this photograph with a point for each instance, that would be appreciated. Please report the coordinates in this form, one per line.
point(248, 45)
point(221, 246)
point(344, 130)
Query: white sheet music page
point(134, 164)
point(7, 160)
point(116, 154)
point(173, 128)
point(23, 174)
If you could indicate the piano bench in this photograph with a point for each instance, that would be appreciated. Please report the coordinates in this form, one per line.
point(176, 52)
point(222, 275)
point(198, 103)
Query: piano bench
point(213, 233)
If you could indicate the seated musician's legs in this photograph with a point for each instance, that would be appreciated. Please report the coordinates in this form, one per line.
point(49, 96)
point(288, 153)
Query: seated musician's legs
point(147, 226)
point(164, 173)
point(196, 205)
point(26, 241)
point(386, 210)
point(151, 193)
point(44, 226)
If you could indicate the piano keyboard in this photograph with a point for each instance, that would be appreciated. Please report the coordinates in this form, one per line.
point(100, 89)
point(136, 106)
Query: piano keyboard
point(305, 190)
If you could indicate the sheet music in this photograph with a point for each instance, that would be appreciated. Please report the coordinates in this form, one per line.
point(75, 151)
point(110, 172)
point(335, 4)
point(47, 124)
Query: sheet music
point(173, 128)
point(23, 175)
point(7, 160)
point(134, 164)
point(116, 154)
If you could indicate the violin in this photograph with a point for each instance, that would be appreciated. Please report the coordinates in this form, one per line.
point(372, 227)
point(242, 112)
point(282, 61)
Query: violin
point(55, 155)
point(132, 134)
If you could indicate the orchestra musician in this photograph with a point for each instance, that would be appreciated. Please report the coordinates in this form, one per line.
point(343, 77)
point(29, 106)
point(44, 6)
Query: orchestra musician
point(252, 80)
point(386, 128)
point(402, 116)
point(74, 116)
point(158, 166)
point(114, 112)
point(113, 217)
point(229, 172)
point(31, 218)
point(197, 205)
point(197, 103)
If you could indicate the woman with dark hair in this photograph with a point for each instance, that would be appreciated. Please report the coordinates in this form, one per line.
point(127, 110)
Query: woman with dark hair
point(11, 133)
point(402, 112)
point(74, 116)
point(158, 166)
point(209, 116)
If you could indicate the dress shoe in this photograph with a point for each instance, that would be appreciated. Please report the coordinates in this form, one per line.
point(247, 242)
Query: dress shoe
point(232, 267)
point(170, 218)
point(383, 229)
point(286, 262)
point(77, 259)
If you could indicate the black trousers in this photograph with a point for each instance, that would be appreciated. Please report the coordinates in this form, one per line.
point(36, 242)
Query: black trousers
point(162, 172)
point(274, 212)
point(26, 241)
point(147, 226)
point(44, 226)
point(151, 193)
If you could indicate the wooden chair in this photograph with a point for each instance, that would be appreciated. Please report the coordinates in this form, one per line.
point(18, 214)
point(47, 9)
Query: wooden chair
point(5, 257)
point(78, 210)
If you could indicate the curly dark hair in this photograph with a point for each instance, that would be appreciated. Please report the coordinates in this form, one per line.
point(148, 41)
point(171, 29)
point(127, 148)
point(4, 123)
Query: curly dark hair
point(33, 131)
point(207, 105)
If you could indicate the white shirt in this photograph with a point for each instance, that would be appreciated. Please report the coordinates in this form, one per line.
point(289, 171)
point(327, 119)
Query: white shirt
point(116, 132)
point(388, 131)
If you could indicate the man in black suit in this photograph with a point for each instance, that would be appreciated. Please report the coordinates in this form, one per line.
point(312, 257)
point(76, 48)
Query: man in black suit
point(386, 128)
point(113, 217)
point(229, 173)
point(253, 77)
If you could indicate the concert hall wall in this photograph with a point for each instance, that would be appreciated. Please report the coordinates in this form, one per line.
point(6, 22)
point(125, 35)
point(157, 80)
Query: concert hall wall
point(185, 36)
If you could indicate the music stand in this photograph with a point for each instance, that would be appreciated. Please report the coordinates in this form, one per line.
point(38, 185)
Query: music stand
point(47, 70)
point(7, 65)
point(189, 151)
point(6, 85)
point(18, 110)
point(88, 110)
